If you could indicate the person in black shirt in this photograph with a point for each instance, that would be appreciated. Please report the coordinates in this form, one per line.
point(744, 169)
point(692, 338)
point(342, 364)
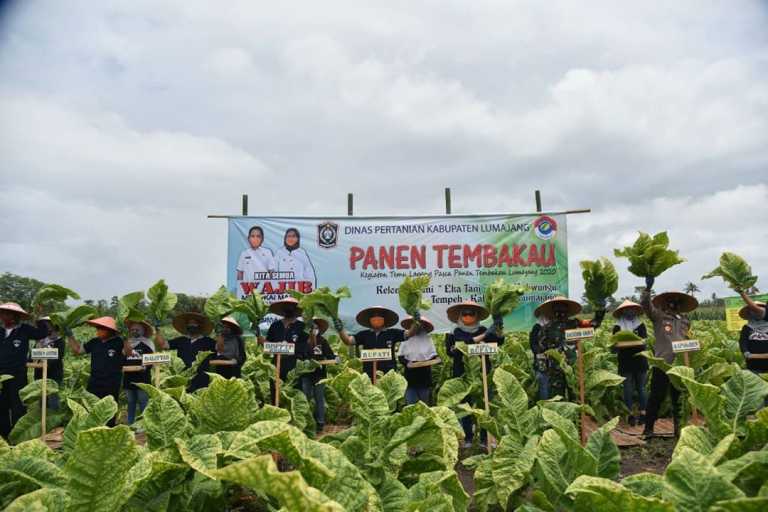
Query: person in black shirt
point(632, 367)
point(379, 334)
point(55, 366)
point(14, 348)
point(417, 349)
point(194, 329)
point(467, 317)
point(108, 351)
point(230, 346)
point(288, 329)
point(310, 382)
point(141, 344)
point(754, 338)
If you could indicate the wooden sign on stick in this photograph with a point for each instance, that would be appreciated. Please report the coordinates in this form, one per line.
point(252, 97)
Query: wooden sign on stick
point(45, 355)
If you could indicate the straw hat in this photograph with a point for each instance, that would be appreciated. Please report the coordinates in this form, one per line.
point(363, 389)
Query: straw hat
point(454, 311)
point(279, 307)
point(180, 323)
point(574, 308)
point(687, 302)
point(229, 320)
point(627, 304)
point(322, 324)
point(105, 322)
point(14, 308)
point(364, 316)
point(408, 322)
point(148, 330)
point(743, 311)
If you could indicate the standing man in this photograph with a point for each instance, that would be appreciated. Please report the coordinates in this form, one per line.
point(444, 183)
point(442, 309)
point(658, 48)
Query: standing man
point(194, 329)
point(14, 348)
point(288, 329)
point(667, 313)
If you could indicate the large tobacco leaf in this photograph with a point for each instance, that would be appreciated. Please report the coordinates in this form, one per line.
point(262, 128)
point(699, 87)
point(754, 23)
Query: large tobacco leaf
point(735, 271)
point(600, 280)
point(650, 256)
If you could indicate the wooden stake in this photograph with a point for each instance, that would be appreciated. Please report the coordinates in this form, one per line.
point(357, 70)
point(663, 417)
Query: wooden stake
point(277, 380)
point(156, 375)
point(694, 412)
point(485, 396)
point(45, 398)
point(375, 371)
point(580, 361)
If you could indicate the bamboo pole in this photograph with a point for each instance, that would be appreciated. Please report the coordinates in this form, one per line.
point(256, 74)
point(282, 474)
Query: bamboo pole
point(694, 411)
point(375, 371)
point(277, 380)
point(45, 399)
point(580, 361)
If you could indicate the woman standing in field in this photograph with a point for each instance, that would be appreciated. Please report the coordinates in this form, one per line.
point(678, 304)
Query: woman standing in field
point(467, 317)
point(555, 317)
point(288, 329)
point(632, 367)
point(194, 329)
point(230, 346)
point(139, 333)
point(255, 263)
point(754, 338)
point(292, 258)
point(108, 351)
point(14, 347)
point(413, 352)
point(310, 382)
point(667, 312)
point(55, 366)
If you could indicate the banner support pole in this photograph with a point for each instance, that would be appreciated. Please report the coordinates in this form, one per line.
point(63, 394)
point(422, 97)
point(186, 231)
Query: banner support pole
point(245, 205)
point(538, 201)
point(447, 200)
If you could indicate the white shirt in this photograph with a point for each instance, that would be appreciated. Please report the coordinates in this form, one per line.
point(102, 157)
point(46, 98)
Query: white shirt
point(296, 261)
point(254, 263)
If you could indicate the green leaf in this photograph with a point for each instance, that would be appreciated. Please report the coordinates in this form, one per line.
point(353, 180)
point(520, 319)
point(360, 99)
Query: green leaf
point(453, 392)
point(83, 419)
point(223, 405)
point(98, 468)
point(600, 280)
point(625, 336)
point(649, 485)
point(410, 293)
point(28, 473)
point(593, 493)
point(692, 483)
point(749, 472)
point(735, 271)
point(28, 426)
point(741, 505)
point(200, 452)
point(253, 306)
point(219, 305)
point(601, 445)
point(393, 384)
point(701, 441)
point(45, 500)
point(164, 419)
point(502, 297)
point(72, 318)
point(161, 300)
point(34, 390)
point(744, 394)
point(128, 307)
point(321, 302)
point(53, 293)
point(649, 257)
point(439, 484)
point(511, 466)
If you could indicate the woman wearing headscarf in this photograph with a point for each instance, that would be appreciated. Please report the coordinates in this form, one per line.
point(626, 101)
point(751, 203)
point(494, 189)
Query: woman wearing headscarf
point(555, 316)
point(310, 382)
point(255, 263)
point(418, 349)
point(140, 342)
point(14, 347)
point(230, 346)
point(754, 338)
point(467, 317)
point(667, 312)
point(194, 329)
point(632, 367)
point(292, 258)
point(53, 339)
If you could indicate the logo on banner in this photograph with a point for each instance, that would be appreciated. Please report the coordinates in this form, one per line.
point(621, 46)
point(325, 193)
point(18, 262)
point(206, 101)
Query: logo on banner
point(327, 234)
point(545, 227)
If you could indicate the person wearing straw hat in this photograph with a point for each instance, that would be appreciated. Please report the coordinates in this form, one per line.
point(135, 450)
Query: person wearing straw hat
point(230, 346)
point(467, 316)
point(418, 348)
point(754, 338)
point(55, 366)
point(139, 333)
point(759, 309)
point(667, 313)
point(554, 317)
point(288, 329)
point(378, 333)
point(14, 347)
point(108, 351)
point(632, 367)
point(310, 382)
point(194, 329)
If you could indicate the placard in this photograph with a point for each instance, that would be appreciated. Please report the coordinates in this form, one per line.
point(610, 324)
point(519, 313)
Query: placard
point(45, 353)
point(376, 354)
point(579, 334)
point(629, 344)
point(158, 358)
point(482, 349)
point(279, 347)
point(685, 346)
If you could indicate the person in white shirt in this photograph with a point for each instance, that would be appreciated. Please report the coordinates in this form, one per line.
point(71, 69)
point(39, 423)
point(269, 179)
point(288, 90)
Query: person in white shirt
point(292, 258)
point(255, 263)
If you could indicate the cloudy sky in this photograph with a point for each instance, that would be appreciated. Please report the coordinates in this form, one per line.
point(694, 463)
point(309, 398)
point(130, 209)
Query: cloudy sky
point(124, 123)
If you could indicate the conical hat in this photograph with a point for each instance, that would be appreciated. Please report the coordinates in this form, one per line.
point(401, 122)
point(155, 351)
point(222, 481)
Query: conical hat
point(232, 322)
point(180, 322)
point(743, 311)
point(408, 322)
point(105, 322)
point(278, 307)
point(454, 311)
point(574, 308)
point(364, 316)
point(322, 324)
point(14, 308)
point(148, 330)
point(627, 304)
point(687, 302)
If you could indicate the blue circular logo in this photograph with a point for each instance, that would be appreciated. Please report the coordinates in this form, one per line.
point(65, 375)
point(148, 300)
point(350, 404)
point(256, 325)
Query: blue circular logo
point(545, 227)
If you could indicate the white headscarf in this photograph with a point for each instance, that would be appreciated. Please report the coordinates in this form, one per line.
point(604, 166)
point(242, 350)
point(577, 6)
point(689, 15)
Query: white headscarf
point(758, 325)
point(135, 342)
point(418, 348)
point(628, 322)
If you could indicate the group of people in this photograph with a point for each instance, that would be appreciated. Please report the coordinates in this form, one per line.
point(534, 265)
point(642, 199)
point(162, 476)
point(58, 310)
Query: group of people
point(115, 361)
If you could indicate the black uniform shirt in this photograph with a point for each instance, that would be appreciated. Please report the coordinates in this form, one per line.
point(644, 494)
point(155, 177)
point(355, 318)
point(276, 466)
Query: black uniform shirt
point(131, 378)
point(468, 338)
point(106, 360)
point(387, 338)
point(295, 334)
point(187, 350)
point(14, 346)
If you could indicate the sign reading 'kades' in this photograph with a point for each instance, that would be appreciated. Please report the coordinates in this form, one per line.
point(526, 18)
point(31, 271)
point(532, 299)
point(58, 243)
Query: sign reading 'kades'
point(686, 346)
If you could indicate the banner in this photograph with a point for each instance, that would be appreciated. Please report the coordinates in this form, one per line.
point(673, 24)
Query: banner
point(733, 322)
point(372, 255)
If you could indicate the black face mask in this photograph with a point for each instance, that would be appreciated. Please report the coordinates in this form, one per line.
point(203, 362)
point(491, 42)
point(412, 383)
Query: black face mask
point(291, 313)
point(226, 330)
point(137, 333)
point(193, 329)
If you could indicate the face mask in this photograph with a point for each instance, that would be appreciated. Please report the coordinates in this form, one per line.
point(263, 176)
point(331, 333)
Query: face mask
point(629, 316)
point(226, 330)
point(560, 315)
point(672, 306)
point(468, 319)
point(103, 333)
point(377, 322)
point(193, 329)
point(137, 332)
point(290, 313)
